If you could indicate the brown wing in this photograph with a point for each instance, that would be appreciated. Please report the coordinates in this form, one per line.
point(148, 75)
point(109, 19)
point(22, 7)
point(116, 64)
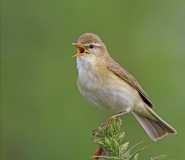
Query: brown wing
point(123, 74)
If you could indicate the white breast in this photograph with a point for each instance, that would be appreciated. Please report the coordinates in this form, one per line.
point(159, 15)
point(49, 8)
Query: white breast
point(86, 71)
point(112, 92)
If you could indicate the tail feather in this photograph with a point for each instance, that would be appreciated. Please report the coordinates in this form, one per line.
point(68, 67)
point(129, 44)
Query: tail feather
point(153, 125)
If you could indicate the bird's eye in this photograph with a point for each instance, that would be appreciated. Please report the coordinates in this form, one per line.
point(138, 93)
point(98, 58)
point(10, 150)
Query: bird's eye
point(91, 46)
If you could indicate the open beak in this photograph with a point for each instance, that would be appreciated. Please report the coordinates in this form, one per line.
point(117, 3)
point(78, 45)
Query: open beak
point(80, 49)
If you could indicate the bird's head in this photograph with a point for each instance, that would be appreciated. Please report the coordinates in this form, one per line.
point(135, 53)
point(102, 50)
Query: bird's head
point(89, 45)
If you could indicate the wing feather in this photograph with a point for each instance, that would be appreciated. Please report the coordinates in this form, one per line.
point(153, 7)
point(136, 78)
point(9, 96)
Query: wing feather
point(126, 76)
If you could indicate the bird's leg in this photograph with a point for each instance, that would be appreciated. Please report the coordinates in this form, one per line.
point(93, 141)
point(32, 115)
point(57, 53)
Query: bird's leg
point(115, 116)
point(109, 119)
point(120, 114)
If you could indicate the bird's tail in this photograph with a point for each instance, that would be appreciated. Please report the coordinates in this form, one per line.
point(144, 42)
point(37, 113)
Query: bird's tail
point(154, 126)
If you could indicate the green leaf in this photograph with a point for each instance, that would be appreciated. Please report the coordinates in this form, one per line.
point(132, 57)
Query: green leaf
point(111, 139)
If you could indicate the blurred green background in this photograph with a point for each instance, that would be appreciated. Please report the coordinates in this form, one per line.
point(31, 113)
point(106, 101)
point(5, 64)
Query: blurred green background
point(43, 115)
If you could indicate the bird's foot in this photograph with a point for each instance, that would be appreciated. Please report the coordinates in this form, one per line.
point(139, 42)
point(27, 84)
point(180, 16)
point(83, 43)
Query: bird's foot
point(108, 121)
point(114, 117)
point(118, 115)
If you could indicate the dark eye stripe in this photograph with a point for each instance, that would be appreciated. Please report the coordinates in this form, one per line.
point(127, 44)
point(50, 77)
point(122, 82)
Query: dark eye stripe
point(91, 46)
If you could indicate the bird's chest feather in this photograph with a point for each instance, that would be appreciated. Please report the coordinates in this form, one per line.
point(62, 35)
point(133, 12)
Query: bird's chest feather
point(88, 77)
point(103, 88)
point(90, 80)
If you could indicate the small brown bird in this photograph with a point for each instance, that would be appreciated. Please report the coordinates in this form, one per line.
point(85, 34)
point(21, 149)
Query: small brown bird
point(106, 84)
